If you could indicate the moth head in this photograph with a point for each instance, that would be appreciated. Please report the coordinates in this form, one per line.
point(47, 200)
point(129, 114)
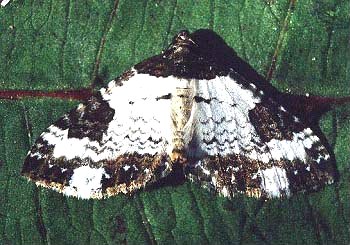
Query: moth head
point(181, 45)
point(183, 39)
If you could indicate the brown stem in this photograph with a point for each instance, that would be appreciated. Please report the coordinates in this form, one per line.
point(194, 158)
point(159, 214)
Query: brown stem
point(331, 100)
point(311, 108)
point(80, 94)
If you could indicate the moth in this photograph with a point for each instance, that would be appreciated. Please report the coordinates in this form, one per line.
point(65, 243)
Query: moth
point(196, 109)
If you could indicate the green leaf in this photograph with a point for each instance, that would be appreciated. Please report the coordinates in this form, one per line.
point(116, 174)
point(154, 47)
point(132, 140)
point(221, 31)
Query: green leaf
point(50, 45)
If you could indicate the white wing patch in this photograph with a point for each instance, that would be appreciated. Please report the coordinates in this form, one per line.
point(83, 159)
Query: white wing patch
point(86, 182)
point(139, 116)
point(275, 182)
point(134, 103)
point(142, 112)
point(224, 118)
point(71, 148)
point(4, 2)
point(295, 148)
point(232, 129)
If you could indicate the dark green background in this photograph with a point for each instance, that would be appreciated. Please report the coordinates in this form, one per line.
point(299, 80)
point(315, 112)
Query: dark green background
point(51, 45)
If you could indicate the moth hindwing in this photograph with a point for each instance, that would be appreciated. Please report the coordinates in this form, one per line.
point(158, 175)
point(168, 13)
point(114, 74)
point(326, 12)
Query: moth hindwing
point(198, 106)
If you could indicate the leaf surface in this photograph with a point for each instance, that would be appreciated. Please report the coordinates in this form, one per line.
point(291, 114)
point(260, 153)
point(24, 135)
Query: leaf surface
point(50, 45)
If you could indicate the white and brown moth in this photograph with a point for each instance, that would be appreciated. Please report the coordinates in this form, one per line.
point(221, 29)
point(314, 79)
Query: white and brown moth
point(196, 108)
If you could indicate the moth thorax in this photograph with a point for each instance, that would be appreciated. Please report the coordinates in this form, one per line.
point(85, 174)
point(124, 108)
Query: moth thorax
point(181, 106)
